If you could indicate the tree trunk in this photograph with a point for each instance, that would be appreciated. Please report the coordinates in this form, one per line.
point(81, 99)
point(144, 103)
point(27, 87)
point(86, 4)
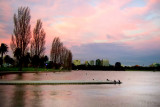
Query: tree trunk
point(20, 64)
point(2, 58)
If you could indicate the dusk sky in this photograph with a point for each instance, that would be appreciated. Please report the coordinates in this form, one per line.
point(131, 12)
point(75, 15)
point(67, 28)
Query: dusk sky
point(127, 31)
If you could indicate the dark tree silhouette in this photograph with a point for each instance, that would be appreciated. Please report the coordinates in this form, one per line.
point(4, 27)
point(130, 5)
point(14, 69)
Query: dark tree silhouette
point(69, 60)
point(60, 55)
point(56, 50)
point(27, 59)
point(118, 66)
point(17, 53)
point(3, 50)
point(8, 60)
point(35, 60)
point(43, 60)
point(66, 58)
point(46, 58)
point(21, 33)
point(1, 61)
point(38, 41)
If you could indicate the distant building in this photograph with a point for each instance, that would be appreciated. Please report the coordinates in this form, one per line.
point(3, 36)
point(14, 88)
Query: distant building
point(137, 66)
point(105, 62)
point(77, 62)
point(91, 62)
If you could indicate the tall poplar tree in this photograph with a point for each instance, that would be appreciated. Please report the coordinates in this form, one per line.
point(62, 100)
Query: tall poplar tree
point(21, 33)
point(60, 55)
point(38, 40)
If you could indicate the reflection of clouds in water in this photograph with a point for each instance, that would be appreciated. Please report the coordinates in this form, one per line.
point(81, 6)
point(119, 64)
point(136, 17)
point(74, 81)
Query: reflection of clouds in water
point(137, 89)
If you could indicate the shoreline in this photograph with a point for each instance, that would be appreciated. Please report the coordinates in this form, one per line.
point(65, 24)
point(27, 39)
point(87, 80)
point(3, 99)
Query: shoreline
point(54, 71)
point(58, 82)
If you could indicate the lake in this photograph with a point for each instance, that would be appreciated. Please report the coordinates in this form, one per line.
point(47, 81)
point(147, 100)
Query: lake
point(139, 89)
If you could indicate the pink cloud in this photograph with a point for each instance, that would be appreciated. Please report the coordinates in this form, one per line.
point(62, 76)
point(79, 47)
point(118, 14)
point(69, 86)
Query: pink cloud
point(102, 20)
point(148, 43)
point(77, 22)
point(6, 10)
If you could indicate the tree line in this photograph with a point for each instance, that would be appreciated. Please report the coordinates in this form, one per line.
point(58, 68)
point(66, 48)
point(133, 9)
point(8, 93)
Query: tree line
point(116, 67)
point(29, 50)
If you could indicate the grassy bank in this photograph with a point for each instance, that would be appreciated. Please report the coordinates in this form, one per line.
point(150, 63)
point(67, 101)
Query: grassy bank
point(27, 69)
point(31, 69)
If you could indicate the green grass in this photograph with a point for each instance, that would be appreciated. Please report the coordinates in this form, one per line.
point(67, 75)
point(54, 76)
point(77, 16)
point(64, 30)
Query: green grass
point(27, 69)
point(140, 70)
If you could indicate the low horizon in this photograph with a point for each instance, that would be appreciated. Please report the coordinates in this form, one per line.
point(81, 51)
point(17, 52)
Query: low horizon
point(126, 32)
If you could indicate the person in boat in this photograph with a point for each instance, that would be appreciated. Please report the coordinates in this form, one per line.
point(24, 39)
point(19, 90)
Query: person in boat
point(115, 81)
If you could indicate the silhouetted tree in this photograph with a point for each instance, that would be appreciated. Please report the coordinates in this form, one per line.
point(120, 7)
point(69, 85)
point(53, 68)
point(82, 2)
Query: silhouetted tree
point(12, 61)
point(1, 61)
point(27, 59)
point(35, 60)
point(43, 60)
point(21, 33)
point(69, 60)
point(118, 66)
point(60, 55)
point(3, 50)
point(46, 58)
point(17, 53)
point(8, 60)
point(38, 41)
point(56, 50)
point(49, 64)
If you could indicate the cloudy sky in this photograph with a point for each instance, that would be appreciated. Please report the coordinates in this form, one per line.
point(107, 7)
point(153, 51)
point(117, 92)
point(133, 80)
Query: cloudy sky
point(119, 30)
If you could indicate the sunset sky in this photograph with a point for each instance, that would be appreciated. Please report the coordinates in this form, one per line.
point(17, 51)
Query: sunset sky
point(118, 30)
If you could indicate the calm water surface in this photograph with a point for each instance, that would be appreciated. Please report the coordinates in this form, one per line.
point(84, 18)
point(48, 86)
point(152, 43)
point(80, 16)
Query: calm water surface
point(139, 89)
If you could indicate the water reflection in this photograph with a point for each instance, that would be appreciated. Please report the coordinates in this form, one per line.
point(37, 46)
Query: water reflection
point(2, 98)
point(138, 89)
point(37, 97)
point(18, 99)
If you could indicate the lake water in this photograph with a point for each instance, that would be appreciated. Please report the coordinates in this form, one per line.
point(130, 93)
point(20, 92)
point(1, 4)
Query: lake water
point(139, 89)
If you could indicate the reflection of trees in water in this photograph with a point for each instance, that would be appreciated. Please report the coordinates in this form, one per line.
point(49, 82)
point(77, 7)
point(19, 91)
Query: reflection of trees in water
point(18, 99)
point(12, 95)
point(1, 76)
point(20, 96)
point(37, 94)
point(3, 97)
